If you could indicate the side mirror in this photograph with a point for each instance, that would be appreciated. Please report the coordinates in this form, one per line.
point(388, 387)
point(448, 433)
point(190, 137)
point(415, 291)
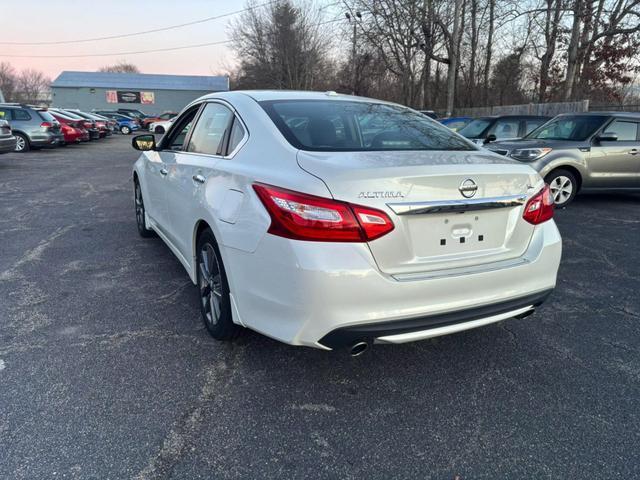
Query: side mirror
point(144, 143)
point(490, 138)
point(607, 137)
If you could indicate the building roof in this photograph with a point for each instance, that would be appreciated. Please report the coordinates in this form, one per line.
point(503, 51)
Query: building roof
point(141, 81)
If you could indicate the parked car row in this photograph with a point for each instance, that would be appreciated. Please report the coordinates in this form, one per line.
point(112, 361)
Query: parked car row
point(577, 152)
point(28, 127)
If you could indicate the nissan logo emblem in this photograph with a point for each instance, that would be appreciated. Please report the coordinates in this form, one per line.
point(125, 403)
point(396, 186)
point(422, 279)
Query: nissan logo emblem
point(468, 188)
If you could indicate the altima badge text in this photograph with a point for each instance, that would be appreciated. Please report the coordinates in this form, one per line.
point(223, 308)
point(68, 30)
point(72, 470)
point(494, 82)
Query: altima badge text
point(380, 195)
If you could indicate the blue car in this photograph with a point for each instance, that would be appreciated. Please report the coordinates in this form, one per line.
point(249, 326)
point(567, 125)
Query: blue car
point(455, 123)
point(126, 125)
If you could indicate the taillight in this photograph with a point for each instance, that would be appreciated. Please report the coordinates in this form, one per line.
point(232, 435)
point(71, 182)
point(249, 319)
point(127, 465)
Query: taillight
point(46, 124)
point(88, 125)
point(306, 217)
point(539, 208)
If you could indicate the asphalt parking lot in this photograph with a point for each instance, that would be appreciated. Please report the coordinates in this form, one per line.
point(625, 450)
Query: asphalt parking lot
point(106, 371)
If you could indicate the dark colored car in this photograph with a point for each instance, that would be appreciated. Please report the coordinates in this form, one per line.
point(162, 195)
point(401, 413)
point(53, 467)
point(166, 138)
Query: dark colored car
point(133, 113)
point(125, 125)
point(89, 125)
point(7, 140)
point(580, 152)
point(33, 127)
point(100, 123)
point(501, 127)
point(455, 123)
point(73, 130)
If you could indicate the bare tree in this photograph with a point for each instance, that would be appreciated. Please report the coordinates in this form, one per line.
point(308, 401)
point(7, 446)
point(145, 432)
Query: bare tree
point(120, 67)
point(32, 86)
point(8, 80)
point(281, 46)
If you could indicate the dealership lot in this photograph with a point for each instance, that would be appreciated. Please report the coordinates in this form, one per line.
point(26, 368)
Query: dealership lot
point(106, 370)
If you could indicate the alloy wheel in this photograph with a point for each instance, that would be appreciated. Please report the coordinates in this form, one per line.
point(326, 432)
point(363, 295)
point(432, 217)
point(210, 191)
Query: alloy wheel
point(210, 283)
point(21, 143)
point(561, 189)
point(139, 208)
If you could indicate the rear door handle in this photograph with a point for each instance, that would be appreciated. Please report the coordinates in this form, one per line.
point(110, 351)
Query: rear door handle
point(198, 178)
point(634, 151)
point(163, 171)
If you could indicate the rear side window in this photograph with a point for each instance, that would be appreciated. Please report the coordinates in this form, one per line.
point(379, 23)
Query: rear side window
point(237, 134)
point(626, 131)
point(210, 130)
point(531, 125)
point(21, 115)
point(330, 125)
point(46, 116)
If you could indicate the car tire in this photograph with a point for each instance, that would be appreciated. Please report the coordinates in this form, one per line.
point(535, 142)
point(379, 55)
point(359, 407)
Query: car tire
point(22, 143)
point(141, 220)
point(125, 130)
point(564, 186)
point(213, 289)
point(158, 130)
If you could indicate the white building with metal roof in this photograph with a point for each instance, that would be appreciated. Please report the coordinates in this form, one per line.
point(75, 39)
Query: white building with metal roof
point(150, 93)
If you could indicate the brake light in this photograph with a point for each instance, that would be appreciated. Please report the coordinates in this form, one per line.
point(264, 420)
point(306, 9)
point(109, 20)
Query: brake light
point(46, 124)
point(539, 208)
point(306, 217)
point(88, 125)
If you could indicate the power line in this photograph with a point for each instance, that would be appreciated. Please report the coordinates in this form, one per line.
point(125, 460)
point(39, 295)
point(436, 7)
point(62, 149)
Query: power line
point(197, 45)
point(138, 52)
point(144, 32)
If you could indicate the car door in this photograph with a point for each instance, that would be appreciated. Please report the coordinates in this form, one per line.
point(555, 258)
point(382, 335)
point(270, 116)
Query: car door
point(616, 164)
point(191, 169)
point(157, 169)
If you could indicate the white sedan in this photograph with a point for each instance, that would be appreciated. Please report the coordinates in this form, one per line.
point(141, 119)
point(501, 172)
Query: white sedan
point(161, 126)
point(337, 222)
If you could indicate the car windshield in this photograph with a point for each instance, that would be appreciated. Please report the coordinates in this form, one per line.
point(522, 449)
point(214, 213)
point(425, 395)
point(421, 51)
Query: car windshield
point(475, 128)
point(576, 128)
point(329, 125)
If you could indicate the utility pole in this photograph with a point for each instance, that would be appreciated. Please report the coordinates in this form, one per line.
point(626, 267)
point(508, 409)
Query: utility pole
point(354, 40)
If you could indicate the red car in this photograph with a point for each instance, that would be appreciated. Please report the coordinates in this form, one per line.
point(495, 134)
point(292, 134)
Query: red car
point(163, 117)
point(73, 130)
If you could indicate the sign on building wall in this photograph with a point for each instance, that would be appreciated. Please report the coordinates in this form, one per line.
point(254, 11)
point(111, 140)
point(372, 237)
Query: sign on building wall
point(118, 96)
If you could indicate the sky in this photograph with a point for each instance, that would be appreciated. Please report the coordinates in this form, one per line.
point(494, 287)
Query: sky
point(57, 20)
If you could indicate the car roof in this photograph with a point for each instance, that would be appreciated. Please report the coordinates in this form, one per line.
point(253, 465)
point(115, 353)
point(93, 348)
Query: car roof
point(608, 113)
point(267, 95)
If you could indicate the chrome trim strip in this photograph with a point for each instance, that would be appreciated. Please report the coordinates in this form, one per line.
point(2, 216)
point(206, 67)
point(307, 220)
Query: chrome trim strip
point(448, 329)
point(466, 205)
point(458, 271)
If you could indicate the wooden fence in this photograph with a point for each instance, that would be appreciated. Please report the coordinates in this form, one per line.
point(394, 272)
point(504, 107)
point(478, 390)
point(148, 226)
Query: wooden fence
point(543, 109)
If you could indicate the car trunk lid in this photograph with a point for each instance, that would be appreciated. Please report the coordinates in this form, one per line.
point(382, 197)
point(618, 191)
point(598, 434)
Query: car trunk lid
point(436, 226)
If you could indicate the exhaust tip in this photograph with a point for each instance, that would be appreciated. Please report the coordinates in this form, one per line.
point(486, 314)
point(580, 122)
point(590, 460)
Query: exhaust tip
point(358, 348)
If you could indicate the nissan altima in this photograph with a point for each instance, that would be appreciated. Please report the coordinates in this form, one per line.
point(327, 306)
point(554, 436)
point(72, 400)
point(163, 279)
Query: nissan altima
point(337, 222)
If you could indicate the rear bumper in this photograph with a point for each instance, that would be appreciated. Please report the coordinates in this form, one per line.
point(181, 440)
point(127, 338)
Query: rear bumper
point(47, 140)
point(321, 294)
point(7, 144)
point(401, 331)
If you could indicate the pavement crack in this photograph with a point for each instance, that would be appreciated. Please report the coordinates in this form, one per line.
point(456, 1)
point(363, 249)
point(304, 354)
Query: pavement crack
point(182, 435)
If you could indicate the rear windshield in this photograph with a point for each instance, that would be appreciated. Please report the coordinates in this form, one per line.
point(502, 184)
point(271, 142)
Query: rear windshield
point(46, 116)
point(576, 128)
point(329, 125)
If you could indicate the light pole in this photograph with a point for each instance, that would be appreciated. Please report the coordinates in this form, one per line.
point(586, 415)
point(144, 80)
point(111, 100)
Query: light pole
point(354, 68)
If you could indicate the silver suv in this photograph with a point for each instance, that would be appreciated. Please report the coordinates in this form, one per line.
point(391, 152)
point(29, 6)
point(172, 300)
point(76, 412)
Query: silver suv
point(598, 151)
point(33, 127)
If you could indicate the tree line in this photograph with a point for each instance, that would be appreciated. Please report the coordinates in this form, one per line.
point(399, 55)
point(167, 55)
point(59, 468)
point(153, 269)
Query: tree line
point(443, 54)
